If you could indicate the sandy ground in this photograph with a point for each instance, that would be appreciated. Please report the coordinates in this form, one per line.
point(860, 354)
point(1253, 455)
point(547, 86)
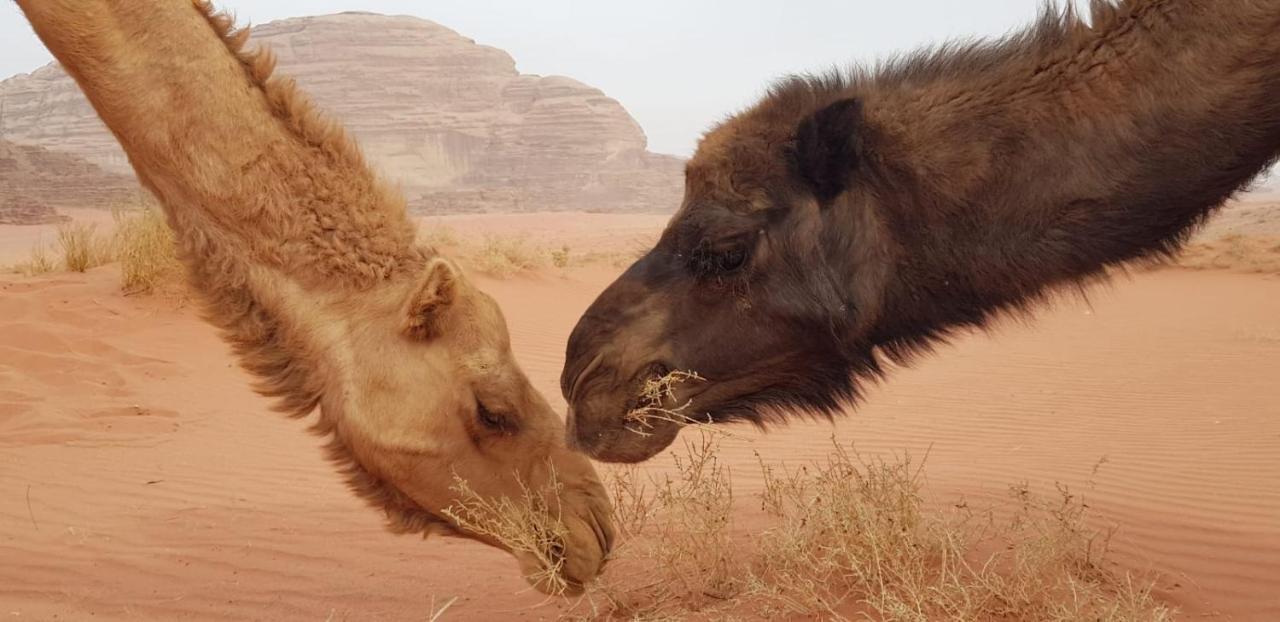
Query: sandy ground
point(140, 478)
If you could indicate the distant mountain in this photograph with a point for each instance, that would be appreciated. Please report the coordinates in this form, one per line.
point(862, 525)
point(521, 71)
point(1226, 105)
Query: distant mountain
point(36, 182)
point(451, 121)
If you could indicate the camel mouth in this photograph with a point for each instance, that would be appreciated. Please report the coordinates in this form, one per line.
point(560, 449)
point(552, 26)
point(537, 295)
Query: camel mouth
point(626, 422)
point(627, 447)
point(550, 576)
point(648, 375)
point(574, 558)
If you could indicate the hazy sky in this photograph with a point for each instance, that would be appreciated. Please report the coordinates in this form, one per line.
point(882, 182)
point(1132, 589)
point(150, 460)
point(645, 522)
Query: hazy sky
point(677, 65)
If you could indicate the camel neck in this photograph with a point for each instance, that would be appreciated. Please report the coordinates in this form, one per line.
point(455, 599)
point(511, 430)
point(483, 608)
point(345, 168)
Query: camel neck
point(238, 159)
point(1070, 149)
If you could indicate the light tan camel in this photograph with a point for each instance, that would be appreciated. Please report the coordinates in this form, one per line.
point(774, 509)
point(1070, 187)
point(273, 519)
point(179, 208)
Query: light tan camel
point(308, 264)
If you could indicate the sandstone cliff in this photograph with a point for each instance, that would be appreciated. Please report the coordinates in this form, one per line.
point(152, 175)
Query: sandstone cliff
point(35, 182)
point(453, 122)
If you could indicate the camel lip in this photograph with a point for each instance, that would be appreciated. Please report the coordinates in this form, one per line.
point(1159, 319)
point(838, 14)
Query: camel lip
point(581, 377)
point(627, 454)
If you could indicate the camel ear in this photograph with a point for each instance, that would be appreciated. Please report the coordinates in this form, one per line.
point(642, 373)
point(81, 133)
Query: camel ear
point(827, 146)
point(433, 294)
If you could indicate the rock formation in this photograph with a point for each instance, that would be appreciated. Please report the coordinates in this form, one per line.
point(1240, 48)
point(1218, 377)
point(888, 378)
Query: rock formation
point(35, 182)
point(452, 121)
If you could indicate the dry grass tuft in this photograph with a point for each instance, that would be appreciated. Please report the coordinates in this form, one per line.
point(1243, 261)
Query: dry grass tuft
point(439, 236)
point(146, 251)
point(1254, 254)
point(505, 256)
point(853, 535)
point(39, 262)
point(561, 257)
point(530, 524)
point(82, 248)
point(617, 259)
point(142, 242)
point(851, 538)
point(676, 537)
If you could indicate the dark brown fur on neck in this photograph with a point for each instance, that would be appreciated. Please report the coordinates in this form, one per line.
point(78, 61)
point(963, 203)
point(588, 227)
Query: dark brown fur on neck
point(881, 210)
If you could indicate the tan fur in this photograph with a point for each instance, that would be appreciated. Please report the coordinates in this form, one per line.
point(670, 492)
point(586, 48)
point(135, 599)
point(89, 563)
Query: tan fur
point(308, 264)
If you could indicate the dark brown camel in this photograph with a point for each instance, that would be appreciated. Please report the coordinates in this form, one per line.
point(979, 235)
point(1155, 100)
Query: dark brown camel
point(871, 214)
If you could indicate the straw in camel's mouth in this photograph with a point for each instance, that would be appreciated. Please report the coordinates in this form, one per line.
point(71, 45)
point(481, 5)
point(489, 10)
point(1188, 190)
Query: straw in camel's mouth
point(530, 527)
point(657, 399)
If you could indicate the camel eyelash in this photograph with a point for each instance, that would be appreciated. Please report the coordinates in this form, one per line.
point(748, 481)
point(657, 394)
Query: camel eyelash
point(492, 420)
point(706, 261)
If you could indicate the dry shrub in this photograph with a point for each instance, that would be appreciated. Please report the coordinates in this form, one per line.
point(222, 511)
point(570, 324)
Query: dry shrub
point(560, 257)
point(146, 251)
point(439, 236)
point(676, 534)
point(1256, 254)
point(616, 258)
point(853, 535)
point(851, 538)
point(81, 247)
point(39, 262)
point(504, 256)
point(530, 524)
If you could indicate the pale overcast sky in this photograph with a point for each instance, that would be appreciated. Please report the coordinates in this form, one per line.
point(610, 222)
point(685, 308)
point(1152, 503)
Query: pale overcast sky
point(677, 65)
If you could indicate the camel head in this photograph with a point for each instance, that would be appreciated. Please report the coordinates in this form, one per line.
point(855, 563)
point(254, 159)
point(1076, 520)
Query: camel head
point(874, 212)
point(763, 284)
point(431, 398)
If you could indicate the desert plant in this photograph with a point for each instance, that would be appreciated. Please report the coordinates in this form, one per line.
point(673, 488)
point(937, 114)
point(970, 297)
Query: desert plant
point(146, 251)
point(848, 538)
point(438, 236)
point(81, 247)
point(504, 256)
point(40, 261)
point(1238, 253)
point(560, 257)
point(676, 533)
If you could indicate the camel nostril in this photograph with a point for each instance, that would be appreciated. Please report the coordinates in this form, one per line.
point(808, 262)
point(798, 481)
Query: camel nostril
point(657, 370)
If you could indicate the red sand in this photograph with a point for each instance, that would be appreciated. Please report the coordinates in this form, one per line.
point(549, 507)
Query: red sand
point(141, 478)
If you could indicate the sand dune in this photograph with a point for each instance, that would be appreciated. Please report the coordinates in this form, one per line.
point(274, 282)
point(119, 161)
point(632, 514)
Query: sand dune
point(140, 478)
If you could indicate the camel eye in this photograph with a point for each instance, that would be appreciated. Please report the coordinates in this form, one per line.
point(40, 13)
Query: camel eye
point(705, 261)
point(491, 420)
point(731, 260)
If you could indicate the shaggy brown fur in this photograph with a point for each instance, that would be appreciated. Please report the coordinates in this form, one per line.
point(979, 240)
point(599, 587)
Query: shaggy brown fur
point(308, 264)
point(879, 211)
